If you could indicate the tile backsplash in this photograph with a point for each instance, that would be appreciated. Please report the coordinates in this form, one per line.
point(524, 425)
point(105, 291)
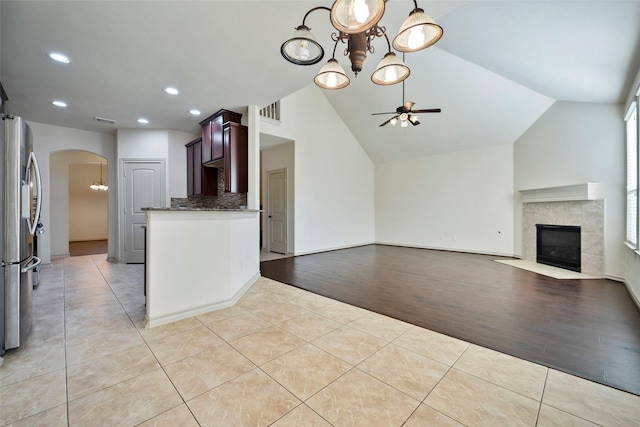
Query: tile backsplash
point(222, 200)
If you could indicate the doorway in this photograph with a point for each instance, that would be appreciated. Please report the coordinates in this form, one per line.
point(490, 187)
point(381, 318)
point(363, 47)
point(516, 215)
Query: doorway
point(63, 212)
point(277, 164)
point(88, 207)
point(277, 211)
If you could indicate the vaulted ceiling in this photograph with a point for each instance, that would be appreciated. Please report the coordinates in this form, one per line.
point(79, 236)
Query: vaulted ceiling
point(499, 66)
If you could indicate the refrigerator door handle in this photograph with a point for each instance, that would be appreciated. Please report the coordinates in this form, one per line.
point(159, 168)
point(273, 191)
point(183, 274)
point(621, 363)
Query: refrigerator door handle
point(33, 264)
point(32, 162)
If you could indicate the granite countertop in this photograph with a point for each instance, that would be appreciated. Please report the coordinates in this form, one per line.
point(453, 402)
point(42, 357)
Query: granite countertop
point(191, 209)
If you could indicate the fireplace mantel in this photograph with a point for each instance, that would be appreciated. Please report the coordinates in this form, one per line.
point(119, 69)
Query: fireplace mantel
point(586, 191)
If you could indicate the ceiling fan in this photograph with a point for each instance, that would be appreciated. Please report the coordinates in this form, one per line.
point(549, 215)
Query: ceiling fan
point(405, 114)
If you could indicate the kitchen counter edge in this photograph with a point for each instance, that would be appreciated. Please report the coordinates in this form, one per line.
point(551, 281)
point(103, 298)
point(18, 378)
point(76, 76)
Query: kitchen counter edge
point(199, 210)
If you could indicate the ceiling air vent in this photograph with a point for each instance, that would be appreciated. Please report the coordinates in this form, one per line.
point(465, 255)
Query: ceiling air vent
point(103, 120)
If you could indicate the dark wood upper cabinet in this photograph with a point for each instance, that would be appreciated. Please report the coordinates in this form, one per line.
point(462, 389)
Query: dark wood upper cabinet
point(236, 158)
point(201, 181)
point(212, 143)
point(190, 170)
point(206, 142)
point(217, 147)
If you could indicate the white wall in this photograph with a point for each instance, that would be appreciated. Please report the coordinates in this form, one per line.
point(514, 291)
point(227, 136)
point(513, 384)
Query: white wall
point(177, 163)
point(142, 144)
point(457, 201)
point(632, 259)
point(47, 140)
point(88, 209)
point(574, 143)
point(159, 144)
point(279, 157)
point(334, 185)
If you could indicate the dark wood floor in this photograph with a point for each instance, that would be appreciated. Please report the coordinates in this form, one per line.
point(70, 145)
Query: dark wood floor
point(90, 247)
point(589, 328)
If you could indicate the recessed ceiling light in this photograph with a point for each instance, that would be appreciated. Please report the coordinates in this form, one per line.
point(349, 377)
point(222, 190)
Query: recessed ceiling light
point(143, 121)
point(195, 112)
point(60, 104)
point(171, 90)
point(58, 57)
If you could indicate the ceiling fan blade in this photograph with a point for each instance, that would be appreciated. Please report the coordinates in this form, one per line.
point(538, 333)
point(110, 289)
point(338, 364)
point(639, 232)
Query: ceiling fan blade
point(377, 114)
point(431, 110)
point(394, 117)
point(409, 105)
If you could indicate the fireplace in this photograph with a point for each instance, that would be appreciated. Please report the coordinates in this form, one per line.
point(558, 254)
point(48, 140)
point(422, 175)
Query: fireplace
point(559, 246)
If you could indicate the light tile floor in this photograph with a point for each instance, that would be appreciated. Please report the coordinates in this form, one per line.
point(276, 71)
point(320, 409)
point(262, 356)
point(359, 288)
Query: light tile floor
point(281, 357)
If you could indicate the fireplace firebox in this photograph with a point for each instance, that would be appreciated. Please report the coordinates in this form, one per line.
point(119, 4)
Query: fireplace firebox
point(559, 246)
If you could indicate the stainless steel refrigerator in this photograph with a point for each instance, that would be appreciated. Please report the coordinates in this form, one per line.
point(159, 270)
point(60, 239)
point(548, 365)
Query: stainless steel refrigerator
point(21, 198)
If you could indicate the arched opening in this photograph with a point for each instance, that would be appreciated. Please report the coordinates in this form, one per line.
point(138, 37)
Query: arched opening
point(88, 207)
point(78, 214)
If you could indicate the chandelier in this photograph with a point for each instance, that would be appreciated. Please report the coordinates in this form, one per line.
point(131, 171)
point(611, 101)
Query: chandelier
point(356, 22)
point(99, 185)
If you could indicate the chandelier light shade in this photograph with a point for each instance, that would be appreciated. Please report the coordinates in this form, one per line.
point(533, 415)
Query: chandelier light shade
point(302, 48)
point(391, 70)
point(356, 16)
point(418, 32)
point(357, 26)
point(331, 76)
point(99, 185)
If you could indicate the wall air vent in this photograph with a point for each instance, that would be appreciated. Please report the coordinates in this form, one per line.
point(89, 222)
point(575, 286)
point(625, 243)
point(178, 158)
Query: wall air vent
point(103, 120)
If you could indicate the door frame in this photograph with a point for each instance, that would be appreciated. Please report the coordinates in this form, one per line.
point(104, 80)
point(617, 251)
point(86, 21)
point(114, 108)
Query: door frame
point(121, 181)
point(286, 195)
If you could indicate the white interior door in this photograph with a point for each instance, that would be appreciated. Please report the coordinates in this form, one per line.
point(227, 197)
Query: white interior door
point(143, 187)
point(277, 211)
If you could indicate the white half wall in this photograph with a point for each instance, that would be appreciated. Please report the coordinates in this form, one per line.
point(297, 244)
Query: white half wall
point(334, 177)
point(461, 201)
point(575, 143)
point(47, 140)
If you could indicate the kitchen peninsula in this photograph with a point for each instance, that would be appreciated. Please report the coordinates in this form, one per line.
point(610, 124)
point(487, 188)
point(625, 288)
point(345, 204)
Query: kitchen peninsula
point(198, 260)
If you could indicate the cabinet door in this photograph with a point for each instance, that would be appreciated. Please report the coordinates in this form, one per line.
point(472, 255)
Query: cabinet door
point(217, 144)
point(206, 142)
point(236, 160)
point(190, 170)
point(197, 169)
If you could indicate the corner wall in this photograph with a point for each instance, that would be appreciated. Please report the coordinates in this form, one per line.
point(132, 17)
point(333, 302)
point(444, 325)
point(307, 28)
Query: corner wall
point(461, 201)
point(334, 177)
point(49, 139)
point(575, 143)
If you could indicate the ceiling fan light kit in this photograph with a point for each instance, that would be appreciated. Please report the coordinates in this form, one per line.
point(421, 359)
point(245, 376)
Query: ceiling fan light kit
point(405, 113)
point(356, 22)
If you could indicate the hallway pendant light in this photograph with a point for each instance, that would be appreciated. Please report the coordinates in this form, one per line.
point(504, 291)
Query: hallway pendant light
point(99, 185)
point(357, 26)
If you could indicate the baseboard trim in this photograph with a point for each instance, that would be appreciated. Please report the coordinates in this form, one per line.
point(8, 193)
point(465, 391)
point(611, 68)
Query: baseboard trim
point(184, 314)
point(635, 298)
point(337, 248)
point(436, 248)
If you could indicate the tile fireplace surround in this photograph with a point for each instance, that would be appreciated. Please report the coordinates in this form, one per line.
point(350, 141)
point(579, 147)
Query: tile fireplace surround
point(588, 214)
